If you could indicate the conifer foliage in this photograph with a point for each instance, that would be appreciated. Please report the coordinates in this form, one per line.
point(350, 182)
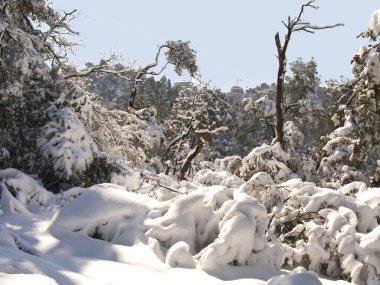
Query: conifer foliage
point(41, 113)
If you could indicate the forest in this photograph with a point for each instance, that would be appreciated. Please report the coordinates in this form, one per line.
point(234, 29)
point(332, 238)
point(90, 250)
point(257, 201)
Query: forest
point(113, 173)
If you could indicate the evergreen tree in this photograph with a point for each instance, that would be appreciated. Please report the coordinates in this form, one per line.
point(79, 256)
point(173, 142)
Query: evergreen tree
point(41, 128)
point(352, 149)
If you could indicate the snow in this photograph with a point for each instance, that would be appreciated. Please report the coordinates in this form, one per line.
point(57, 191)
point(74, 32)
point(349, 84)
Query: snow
point(268, 158)
point(297, 276)
point(67, 141)
point(374, 23)
point(22, 279)
point(214, 234)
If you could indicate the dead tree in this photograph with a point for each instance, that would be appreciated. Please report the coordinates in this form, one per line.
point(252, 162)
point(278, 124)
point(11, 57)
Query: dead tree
point(292, 25)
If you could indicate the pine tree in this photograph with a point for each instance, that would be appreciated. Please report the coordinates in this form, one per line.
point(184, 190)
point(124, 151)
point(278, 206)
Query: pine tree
point(42, 113)
point(352, 149)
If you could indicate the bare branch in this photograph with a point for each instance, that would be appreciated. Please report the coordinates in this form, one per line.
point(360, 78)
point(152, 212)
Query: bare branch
point(151, 177)
point(310, 28)
point(159, 72)
point(101, 69)
point(278, 43)
point(177, 139)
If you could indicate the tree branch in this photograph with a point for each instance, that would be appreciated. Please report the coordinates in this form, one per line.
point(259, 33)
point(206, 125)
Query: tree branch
point(101, 69)
point(146, 177)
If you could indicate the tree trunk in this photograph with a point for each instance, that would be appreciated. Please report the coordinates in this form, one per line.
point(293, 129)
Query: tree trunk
point(187, 163)
point(132, 96)
point(280, 91)
point(145, 71)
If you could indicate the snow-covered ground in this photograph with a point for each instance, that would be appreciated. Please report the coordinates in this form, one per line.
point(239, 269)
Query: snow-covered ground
point(107, 235)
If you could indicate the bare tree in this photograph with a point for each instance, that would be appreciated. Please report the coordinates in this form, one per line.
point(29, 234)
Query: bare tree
point(295, 24)
point(178, 53)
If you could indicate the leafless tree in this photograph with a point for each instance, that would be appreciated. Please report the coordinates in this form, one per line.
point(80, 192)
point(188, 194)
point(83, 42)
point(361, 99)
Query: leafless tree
point(295, 24)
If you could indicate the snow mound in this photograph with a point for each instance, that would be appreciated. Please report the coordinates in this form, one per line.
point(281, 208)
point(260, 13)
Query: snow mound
point(21, 193)
point(209, 177)
point(22, 279)
point(297, 276)
point(241, 233)
point(210, 226)
point(111, 214)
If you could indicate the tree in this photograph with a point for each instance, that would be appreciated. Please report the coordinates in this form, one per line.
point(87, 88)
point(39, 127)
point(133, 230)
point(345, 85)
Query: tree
point(352, 150)
point(42, 113)
point(178, 53)
point(198, 114)
point(295, 24)
point(307, 103)
point(302, 81)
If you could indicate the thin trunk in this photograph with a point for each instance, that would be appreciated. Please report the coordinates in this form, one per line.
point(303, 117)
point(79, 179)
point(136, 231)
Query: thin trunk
point(132, 96)
point(187, 163)
point(145, 71)
point(280, 88)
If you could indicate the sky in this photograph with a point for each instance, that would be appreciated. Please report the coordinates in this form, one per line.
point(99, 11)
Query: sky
point(234, 40)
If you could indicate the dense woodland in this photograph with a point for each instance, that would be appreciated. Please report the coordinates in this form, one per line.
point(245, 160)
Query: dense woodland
point(132, 126)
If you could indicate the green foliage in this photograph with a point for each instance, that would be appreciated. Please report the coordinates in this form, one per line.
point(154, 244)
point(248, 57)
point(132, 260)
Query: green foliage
point(182, 57)
point(357, 138)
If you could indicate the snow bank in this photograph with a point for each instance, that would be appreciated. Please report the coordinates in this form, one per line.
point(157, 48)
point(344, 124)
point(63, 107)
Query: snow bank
point(22, 279)
point(297, 276)
point(209, 226)
point(106, 212)
point(21, 193)
point(332, 232)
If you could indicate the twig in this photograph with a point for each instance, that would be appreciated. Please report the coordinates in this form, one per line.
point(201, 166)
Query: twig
point(146, 177)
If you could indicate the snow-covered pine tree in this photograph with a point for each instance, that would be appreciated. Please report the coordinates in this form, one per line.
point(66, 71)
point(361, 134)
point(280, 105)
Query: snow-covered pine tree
point(352, 149)
point(41, 129)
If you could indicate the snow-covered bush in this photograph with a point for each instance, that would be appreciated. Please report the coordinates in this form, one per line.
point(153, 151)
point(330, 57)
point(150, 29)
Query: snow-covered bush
point(67, 142)
point(134, 136)
point(223, 178)
point(231, 164)
point(263, 107)
point(266, 158)
point(328, 231)
point(293, 138)
point(210, 226)
point(20, 193)
point(340, 154)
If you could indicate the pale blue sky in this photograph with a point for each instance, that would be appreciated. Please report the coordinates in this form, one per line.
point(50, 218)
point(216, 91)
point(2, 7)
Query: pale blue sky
point(234, 39)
